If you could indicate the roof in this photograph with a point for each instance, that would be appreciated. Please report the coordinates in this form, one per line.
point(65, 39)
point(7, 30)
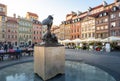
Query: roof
point(97, 14)
point(2, 5)
point(11, 19)
point(33, 14)
point(97, 7)
point(36, 22)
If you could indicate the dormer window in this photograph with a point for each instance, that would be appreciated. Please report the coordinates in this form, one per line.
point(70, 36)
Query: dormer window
point(75, 20)
point(101, 15)
point(105, 14)
point(114, 8)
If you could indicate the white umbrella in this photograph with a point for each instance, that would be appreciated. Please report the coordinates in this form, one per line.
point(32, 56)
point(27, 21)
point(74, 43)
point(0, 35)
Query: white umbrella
point(98, 40)
point(76, 40)
point(83, 40)
point(60, 41)
point(111, 38)
point(66, 41)
point(90, 39)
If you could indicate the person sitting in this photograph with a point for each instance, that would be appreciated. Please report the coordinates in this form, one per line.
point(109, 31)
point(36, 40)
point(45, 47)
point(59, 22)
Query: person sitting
point(18, 50)
point(18, 53)
point(2, 50)
point(29, 51)
point(1, 55)
point(11, 51)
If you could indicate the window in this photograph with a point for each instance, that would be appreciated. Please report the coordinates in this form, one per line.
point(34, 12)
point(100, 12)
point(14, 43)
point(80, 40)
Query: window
point(106, 20)
point(12, 36)
point(3, 36)
point(16, 36)
point(119, 14)
point(113, 33)
point(8, 30)
point(78, 19)
point(3, 18)
point(112, 16)
point(113, 24)
point(82, 35)
point(105, 14)
point(3, 30)
point(1, 9)
point(114, 8)
point(86, 35)
point(89, 34)
point(97, 22)
point(100, 15)
point(106, 27)
point(30, 36)
point(102, 27)
point(93, 34)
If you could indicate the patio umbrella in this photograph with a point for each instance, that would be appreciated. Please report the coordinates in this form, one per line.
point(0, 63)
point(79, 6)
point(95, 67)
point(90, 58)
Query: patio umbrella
point(111, 39)
point(90, 39)
point(60, 41)
point(66, 41)
point(76, 40)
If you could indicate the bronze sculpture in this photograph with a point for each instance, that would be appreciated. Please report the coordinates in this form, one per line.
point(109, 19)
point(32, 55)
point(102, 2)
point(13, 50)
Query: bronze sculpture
point(49, 39)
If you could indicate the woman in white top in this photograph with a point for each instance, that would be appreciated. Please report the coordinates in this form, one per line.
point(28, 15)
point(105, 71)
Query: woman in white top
point(1, 50)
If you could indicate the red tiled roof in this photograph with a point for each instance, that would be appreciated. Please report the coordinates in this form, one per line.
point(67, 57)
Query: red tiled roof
point(96, 14)
point(83, 12)
point(2, 5)
point(33, 14)
point(97, 7)
point(11, 19)
point(82, 15)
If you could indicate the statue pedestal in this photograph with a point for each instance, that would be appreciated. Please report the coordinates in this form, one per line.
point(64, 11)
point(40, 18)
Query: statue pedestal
point(49, 61)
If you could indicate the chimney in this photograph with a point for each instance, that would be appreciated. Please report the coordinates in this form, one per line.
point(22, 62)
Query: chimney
point(14, 15)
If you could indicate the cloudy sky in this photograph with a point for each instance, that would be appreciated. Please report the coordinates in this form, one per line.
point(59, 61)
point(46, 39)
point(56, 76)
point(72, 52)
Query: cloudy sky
point(47, 7)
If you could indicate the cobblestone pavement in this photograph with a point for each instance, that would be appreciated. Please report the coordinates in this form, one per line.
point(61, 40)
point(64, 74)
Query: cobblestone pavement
point(110, 62)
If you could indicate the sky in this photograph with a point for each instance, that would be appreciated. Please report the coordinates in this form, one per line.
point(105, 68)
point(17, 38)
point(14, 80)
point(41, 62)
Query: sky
point(57, 8)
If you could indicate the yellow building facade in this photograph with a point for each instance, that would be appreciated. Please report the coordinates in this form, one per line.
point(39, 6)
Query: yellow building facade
point(3, 19)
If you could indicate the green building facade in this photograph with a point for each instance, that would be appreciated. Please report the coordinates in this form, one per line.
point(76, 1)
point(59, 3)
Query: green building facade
point(24, 31)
